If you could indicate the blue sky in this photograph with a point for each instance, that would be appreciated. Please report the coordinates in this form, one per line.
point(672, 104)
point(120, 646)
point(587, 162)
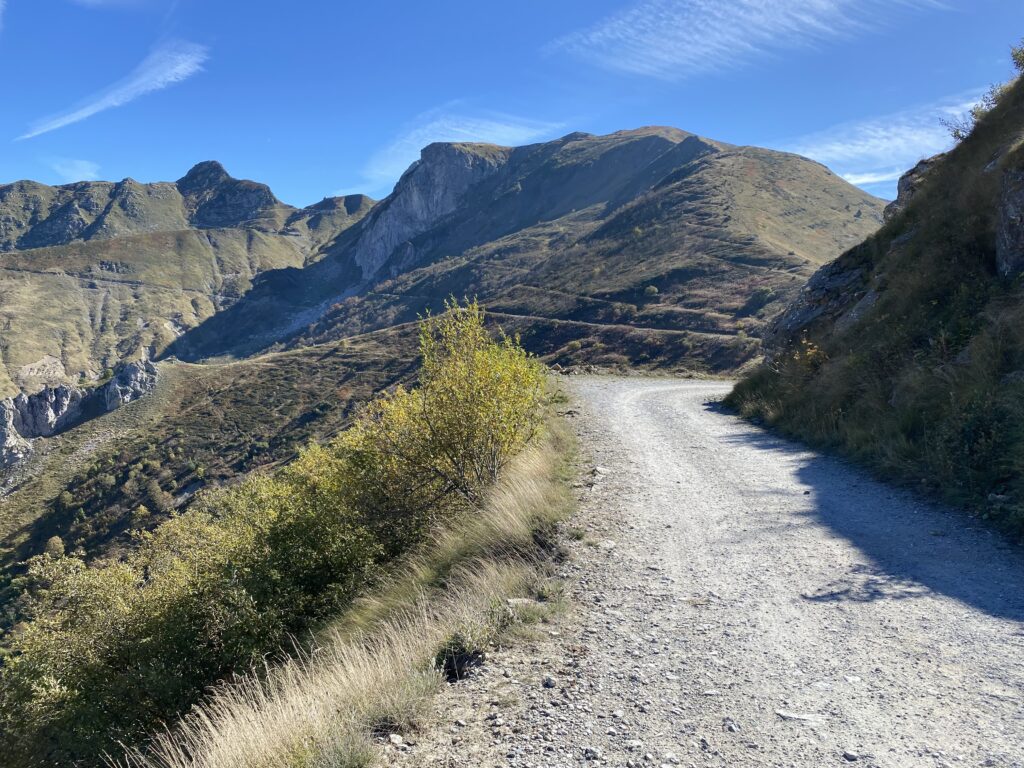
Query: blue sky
point(318, 98)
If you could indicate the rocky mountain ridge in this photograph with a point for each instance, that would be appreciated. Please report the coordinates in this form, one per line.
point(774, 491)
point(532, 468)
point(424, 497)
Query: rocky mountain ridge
point(591, 222)
point(34, 215)
point(95, 274)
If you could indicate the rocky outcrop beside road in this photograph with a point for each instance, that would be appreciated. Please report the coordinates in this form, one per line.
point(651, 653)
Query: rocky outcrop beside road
point(1010, 225)
point(910, 184)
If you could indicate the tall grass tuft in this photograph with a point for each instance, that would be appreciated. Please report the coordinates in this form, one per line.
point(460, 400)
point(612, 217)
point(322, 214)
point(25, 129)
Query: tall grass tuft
point(374, 670)
point(108, 650)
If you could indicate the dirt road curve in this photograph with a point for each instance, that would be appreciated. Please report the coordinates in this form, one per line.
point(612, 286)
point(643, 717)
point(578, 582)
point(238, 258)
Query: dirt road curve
point(747, 602)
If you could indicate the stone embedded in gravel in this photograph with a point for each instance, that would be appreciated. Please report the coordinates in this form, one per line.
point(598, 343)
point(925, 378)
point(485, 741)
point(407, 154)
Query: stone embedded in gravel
point(592, 753)
point(801, 716)
point(549, 682)
point(850, 757)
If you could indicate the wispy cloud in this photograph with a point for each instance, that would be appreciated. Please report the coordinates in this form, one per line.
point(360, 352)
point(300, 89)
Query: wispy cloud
point(677, 38)
point(168, 64)
point(69, 170)
point(876, 151)
point(447, 124)
point(3, 7)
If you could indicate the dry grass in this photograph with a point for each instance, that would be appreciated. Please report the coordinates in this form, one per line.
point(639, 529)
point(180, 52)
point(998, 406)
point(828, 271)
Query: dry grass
point(374, 670)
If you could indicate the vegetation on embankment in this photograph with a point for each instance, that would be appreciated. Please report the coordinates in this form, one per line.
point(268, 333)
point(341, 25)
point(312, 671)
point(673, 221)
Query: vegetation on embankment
point(101, 485)
point(912, 359)
point(109, 651)
point(372, 671)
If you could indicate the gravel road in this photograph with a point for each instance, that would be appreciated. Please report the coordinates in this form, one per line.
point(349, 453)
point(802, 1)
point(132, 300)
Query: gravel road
point(743, 601)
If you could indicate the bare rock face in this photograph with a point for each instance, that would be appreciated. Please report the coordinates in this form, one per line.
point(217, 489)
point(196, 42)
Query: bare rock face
point(54, 409)
point(910, 184)
point(215, 199)
point(431, 189)
point(14, 449)
point(1010, 225)
point(131, 382)
point(831, 290)
point(49, 411)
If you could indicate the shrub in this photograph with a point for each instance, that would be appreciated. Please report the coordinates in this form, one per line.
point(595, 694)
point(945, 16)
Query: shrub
point(414, 453)
point(108, 651)
point(961, 127)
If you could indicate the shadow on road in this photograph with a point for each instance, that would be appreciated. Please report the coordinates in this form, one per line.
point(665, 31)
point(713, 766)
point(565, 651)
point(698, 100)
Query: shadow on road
point(912, 547)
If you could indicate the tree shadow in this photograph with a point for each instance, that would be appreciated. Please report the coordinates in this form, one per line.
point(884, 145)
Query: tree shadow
point(913, 547)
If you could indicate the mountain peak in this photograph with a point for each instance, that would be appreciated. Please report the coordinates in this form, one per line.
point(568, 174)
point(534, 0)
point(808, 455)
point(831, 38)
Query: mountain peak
point(208, 173)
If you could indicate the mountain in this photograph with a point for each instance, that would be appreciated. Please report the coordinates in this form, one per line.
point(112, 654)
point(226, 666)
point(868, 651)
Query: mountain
point(98, 273)
point(650, 247)
point(907, 352)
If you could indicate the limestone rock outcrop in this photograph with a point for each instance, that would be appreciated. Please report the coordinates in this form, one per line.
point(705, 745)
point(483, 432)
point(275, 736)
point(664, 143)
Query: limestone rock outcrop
point(431, 189)
point(130, 383)
point(14, 449)
point(48, 411)
point(52, 410)
point(910, 184)
point(1010, 225)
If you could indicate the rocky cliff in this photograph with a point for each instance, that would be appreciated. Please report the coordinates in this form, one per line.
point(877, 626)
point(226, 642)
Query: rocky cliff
point(432, 189)
point(52, 410)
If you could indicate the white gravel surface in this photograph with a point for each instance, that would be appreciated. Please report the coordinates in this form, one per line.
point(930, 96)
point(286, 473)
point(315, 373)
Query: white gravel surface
point(742, 601)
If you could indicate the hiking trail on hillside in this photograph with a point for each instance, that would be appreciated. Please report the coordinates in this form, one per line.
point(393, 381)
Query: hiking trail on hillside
point(741, 600)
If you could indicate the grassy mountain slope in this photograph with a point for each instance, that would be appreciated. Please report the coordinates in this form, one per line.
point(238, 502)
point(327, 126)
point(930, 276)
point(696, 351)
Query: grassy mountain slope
point(908, 351)
point(204, 425)
point(95, 273)
point(653, 247)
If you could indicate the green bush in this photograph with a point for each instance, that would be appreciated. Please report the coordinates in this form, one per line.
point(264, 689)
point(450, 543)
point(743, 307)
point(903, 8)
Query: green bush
point(110, 651)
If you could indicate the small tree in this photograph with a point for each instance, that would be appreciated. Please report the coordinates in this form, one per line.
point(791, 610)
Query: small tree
point(414, 453)
point(54, 547)
point(961, 127)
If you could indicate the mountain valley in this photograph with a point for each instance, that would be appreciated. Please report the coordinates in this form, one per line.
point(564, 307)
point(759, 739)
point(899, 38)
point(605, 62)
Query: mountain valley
point(652, 249)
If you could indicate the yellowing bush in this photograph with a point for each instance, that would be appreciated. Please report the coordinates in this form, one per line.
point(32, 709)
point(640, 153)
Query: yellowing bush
point(107, 652)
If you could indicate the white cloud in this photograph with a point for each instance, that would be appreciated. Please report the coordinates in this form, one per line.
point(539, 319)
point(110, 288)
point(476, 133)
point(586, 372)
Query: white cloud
point(873, 178)
point(678, 38)
point(3, 5)
point(69, 170)
point(876, 151)
point(386, 165)
point(168, 64)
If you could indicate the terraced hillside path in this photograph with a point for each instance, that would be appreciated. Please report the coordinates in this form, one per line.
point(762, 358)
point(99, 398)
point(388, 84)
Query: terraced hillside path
point(744, 601)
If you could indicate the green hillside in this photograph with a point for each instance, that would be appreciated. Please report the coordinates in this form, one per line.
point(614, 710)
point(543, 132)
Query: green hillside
point(907, 352)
